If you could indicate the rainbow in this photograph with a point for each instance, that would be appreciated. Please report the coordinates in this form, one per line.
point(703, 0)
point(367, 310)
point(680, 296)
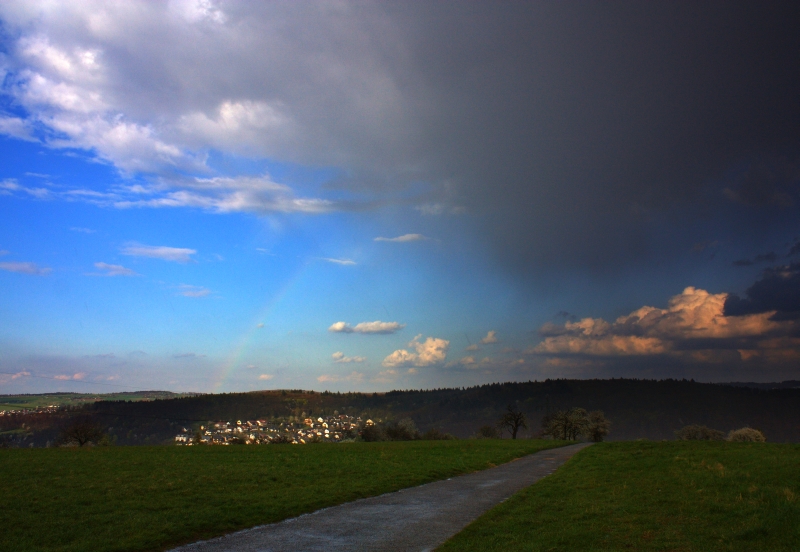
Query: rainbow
point(234, 360)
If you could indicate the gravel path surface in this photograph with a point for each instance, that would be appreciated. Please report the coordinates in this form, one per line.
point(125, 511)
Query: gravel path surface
point(418, 518)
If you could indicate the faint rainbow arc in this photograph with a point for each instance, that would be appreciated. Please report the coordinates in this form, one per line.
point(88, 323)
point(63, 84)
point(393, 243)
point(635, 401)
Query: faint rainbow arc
point(235, 358)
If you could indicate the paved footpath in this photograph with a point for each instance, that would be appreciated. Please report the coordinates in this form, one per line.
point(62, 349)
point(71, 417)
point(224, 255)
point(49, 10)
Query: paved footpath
point(418, 518)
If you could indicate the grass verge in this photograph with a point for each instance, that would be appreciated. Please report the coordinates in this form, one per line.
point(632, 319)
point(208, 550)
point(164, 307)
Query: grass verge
point(153, 498)
point(677, 496)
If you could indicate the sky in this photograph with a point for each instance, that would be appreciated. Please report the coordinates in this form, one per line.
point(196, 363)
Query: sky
point(230, 196)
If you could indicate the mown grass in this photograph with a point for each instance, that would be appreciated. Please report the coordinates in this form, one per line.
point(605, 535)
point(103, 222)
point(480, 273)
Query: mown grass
point(677, 496)
point(152, 498)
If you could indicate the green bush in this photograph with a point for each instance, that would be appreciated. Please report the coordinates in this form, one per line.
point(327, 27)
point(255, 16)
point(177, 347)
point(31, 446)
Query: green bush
point(488, 432)
point(698, 433)
point(402, 430)
point(435, 434)
point(372, 434)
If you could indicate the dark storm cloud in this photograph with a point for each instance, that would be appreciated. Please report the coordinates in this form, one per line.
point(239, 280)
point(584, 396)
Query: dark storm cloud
point(591, 119)
point(575, 134)
point(770, 257)
point(777, 290)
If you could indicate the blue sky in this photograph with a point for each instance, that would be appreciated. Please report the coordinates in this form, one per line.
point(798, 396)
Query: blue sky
point(203, 196)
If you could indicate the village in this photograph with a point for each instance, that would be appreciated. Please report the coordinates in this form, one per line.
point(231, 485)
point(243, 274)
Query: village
point(337, 428)
point(49, 409)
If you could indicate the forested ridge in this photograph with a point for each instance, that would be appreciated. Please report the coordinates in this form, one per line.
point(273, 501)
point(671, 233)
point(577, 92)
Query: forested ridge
point(637, 409)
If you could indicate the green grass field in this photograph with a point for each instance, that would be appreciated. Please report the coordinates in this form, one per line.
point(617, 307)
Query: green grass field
point(17, 402)
point(152, 498)
point(676, 496)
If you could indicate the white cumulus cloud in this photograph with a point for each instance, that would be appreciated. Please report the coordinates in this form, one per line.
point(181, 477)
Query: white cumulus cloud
point(423, 353)
point(491, 337)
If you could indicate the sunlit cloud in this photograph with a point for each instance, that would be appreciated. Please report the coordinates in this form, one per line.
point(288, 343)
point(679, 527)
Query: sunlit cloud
point(340, 357)
point(353, 377)
point(266, 377)
point(693, 325)
point(424, 353)
point(490, 338)
point(74, 377)
point(6, 378)
point(376, 327)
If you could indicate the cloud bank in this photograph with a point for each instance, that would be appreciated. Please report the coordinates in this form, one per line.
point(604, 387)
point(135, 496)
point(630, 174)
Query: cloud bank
point(694, 326)
point(517, 113)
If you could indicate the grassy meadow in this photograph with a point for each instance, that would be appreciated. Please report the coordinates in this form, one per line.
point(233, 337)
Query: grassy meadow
point(676, 496)
point(17, 402)
point(153, 498)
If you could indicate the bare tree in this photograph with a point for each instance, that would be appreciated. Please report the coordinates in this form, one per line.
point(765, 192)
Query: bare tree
point(82, 431)
point(512, 421)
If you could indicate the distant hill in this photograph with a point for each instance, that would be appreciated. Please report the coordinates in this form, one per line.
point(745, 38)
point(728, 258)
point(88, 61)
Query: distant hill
point(791, 384)
point(638, 409)
point(28, 401)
